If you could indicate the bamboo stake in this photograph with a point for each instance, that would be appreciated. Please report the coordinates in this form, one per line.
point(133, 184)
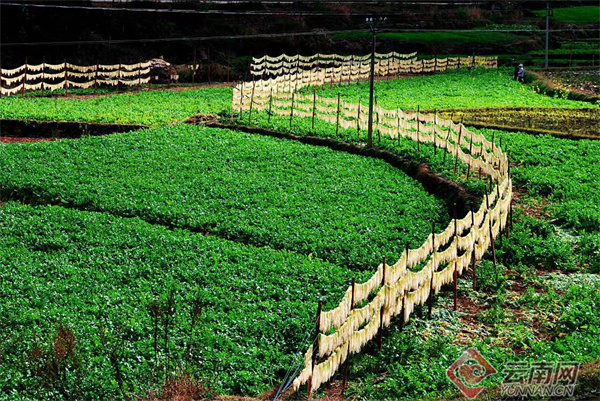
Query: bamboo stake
point(314, 106)
point(347, 364)
point(251, 103)
point(270, 105)
point(315, 354)
point(458, 145)
point(292, 110)
point(358, 120)
point(455, 273)
point(337, 121)
point(24, 79)
point(66, 79)
point(43, 74)
point(473, 251)
point(382, 306)
point(431, 295)
point(418, 129)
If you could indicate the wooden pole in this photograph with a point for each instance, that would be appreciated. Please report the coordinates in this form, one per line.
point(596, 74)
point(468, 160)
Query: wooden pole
point(473, 251)
point(418, 128)
point(24, 79)
point(270, 105)
point(139, 78)
point(382, 306)
point(337, 121)
point(96, 77)
point(66, 79)
point(493, 136)
point(241, 97)
point(431, 296)
point(358, 120)
point(251, 103)
point(347, 364)
point(377, 122)
point(458, 145)
point(447, 139)
point(487, 202)
point(314, 106)
point(434, 131)
point(398, 118)
point(292, 110)
point(43, 74)
point(455, 273)
point(315, 354)
point(470, 153)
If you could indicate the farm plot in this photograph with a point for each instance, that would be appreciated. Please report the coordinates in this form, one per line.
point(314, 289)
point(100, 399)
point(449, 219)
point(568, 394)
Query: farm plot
point(258, 190)
point(87, 282)
point(520, 311)
point(544, 304)
point(452, 89)
point(154, 108)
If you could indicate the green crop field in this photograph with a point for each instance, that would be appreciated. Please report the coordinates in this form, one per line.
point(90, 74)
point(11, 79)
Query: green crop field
point(97, 276)
point(452, 89)
point(575, 15)
point(439, 38)
point(155, 108)
point(177, 250)
point(556, 229)
point(262, 191)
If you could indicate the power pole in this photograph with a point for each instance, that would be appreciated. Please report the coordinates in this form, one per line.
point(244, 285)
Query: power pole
point(373, 24)
point(547, 32)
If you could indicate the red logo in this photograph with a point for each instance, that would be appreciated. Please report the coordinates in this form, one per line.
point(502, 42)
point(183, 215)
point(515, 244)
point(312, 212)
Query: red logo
point(468, 371)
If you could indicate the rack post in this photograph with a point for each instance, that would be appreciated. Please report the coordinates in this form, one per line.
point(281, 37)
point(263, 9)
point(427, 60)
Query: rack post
point(455, 273)
point(382, 306)
point(347, 364)
point(270, 106)
point(487, 202)
point(43, 74)
point(431, 295)
point(358, 120)
point(66, 79)
point(337, 120)
point(418, 128)
point(315, 347)
point(251, 103)
point(473, 251)
point(292, 110)
point(24, 79)
point(458, 144)
point(314, 106)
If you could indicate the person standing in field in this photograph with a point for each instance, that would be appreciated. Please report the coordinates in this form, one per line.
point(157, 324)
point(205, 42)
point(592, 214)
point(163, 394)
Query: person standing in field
point(520, 73)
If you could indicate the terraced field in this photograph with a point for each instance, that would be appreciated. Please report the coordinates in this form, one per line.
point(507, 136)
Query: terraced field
point(221, 214)
point(136, 257)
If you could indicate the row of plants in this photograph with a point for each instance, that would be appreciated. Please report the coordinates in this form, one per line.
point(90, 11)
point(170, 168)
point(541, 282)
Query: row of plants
point(257, 190)
point(154, 108)
point(95, 306)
